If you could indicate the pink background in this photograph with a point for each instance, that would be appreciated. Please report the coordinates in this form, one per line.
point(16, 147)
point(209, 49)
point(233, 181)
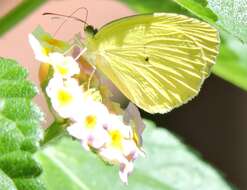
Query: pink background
point(214, 122)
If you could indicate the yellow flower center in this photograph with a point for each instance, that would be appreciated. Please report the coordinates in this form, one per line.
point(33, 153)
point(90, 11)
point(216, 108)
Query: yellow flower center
point(53, 42)
point(45, 51)
point(116, 139)
point(62, 70)
point(64, 97)
point(90, 121)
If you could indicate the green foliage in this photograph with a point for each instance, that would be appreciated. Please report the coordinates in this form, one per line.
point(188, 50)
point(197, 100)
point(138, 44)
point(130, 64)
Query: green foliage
point(19, 129)
point(232, 62)
point(232, 16)
point(149, 6)
point(227, 15)
point(198, 8)
point(169, 165)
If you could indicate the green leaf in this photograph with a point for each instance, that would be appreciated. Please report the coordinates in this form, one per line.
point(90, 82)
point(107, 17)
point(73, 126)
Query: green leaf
point(19, 129)
point(148, 6)
point(232, 62)
point(198, 8)
point(17, 14)
point(169, 165)
point(54, 131)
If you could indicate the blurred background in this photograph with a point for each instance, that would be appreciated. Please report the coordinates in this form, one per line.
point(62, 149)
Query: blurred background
point(214, 123)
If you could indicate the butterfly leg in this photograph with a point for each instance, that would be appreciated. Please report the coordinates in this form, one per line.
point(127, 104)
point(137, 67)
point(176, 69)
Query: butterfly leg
point(71, 47)
point(79, 55)
point(91, 76)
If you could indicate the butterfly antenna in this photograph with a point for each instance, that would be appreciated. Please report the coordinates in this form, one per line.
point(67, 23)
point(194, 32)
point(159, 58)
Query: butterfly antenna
point(69, 17)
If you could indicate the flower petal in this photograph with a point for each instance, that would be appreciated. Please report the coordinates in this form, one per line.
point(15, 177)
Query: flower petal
point(39, 52)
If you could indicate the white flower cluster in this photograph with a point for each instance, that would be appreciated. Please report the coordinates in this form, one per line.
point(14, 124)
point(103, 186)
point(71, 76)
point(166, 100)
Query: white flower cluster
point(91, 123)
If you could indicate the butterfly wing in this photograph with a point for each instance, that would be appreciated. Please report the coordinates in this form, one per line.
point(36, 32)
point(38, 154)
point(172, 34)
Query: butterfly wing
point(158, 61)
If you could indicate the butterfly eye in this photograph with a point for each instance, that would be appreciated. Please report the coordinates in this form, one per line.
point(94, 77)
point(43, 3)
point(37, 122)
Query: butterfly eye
point(90, 30)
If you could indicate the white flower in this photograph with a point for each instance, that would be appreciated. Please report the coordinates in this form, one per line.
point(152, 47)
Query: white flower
point(89, 125)
point(64, 66)
point(120, 135)
point(125, 170)
point(121, 148)
point(66, 96)
point(41, 54)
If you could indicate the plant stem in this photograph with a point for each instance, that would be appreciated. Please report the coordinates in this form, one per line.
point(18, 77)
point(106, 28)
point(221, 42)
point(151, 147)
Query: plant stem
point(17, 14)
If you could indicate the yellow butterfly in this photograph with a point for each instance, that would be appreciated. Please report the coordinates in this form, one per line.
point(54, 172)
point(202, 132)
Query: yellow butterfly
point(158, 61)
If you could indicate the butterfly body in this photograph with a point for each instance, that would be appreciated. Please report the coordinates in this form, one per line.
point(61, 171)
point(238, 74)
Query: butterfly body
point(158, 61)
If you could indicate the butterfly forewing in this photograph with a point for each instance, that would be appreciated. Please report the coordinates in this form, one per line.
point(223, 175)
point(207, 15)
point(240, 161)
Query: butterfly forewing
point(158, 61)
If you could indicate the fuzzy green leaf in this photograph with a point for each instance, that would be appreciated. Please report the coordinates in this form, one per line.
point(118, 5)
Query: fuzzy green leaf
point(169, 165)
point(19, 129)
point(232, 16)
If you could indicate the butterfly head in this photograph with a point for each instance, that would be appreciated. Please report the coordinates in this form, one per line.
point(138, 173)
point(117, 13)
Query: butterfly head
point(90, 30)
